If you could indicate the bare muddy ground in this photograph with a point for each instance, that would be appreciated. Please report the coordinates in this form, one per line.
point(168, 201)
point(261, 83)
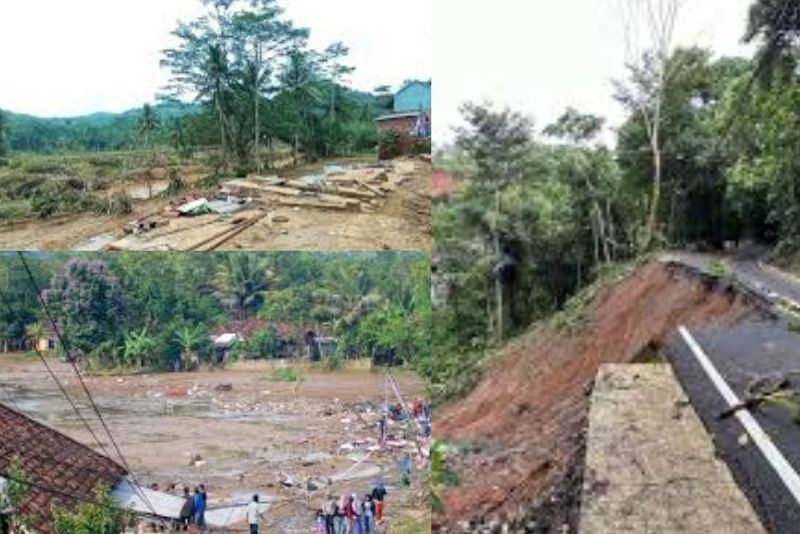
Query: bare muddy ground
point(236, 430)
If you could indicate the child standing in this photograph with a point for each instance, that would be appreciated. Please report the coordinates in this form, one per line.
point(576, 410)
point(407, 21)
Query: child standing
point(320, 521)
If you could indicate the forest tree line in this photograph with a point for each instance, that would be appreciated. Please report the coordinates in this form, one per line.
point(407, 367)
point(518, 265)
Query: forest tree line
point(708, 156)
point(149, 310)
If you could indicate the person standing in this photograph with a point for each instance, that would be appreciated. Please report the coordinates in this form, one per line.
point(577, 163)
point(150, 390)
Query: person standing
point(254, 514)
point(382, 429)
point(199, 505)
point(369, 513)
point(378, 496)
point(187, 510)
point(330, 515)
point(341, 526)
point(5, 506)
point(320, 522)
point(358, 511)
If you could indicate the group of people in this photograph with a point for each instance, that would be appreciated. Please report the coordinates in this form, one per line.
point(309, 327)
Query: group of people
point(193, 510)
point(352, 514)
point(419, 411)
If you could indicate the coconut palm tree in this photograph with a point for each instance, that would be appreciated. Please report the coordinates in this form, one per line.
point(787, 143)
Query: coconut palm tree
point(148, 123)
point(245, 277)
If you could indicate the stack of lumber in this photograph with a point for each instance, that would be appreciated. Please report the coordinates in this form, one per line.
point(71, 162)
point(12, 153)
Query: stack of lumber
point(346, 190)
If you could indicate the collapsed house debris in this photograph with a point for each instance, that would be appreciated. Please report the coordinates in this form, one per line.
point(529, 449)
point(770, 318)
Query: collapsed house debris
point(209, 221)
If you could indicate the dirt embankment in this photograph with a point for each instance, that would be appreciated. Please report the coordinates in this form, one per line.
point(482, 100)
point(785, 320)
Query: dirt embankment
point(522, 428)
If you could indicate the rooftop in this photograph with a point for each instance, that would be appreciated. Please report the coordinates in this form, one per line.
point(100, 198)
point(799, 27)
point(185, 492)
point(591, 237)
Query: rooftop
point(61, 471)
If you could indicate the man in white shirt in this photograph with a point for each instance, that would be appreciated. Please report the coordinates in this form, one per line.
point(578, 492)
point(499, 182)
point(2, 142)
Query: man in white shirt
point(5, 506)
point(253, 514)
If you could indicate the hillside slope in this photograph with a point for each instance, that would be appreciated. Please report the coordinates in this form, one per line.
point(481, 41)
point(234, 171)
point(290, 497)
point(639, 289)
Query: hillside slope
point(522, 428)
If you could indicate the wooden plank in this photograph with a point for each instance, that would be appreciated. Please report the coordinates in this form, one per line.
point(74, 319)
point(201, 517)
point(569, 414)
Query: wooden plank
point(349, 202)
point(372, 188)
point(334, 190)
point(311, 202)
point(268, 180)
point(277, 189)
point(352, 192)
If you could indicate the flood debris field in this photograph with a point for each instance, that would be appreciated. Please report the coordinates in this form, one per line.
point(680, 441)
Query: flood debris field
point(240, 431)
point(358, 204)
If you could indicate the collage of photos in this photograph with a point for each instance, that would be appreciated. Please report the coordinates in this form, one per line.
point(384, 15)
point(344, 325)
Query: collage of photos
point(248, 286)
point(215, 303)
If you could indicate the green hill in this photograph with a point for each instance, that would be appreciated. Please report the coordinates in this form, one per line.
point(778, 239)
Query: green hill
point(97, 131)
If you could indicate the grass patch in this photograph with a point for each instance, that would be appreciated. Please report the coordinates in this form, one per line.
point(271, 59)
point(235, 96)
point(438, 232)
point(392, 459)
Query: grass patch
point(793, 323)
point(291, 375)
point(46, 185)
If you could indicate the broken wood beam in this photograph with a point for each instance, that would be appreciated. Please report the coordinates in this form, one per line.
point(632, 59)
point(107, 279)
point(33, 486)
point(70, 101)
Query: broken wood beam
point(313, 202)
point(276, 189)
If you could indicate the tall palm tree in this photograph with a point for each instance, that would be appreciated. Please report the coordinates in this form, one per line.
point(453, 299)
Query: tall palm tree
point(146, 125)
point(245, 277)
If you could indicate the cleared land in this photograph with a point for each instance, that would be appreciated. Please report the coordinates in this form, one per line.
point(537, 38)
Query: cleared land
point(240, 430)
point(93, 203)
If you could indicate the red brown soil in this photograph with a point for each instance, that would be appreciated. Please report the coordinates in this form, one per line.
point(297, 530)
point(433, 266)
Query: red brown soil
point(527, 416)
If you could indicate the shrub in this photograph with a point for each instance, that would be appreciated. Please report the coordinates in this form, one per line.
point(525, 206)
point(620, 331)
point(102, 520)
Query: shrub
point(390, 144)
point(287, 374)
point(101, 517)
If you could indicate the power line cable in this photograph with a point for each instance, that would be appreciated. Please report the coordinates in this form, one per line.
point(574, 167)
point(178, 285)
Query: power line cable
point(92, 402)
point(61, 388)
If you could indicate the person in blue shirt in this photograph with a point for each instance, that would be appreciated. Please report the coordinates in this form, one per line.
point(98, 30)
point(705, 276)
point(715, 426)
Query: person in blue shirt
point(199, 502)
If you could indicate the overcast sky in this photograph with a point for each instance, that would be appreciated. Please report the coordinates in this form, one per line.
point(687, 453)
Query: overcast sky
point(540, 56)
point(70, 57)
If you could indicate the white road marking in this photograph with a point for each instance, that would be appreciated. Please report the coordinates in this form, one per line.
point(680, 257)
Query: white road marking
point(765, 444)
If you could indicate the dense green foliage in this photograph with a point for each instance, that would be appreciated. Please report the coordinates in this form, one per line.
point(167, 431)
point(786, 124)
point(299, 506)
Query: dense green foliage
point(103, 516)
point(95, 132)
point(156, 310)
point(258, 81)
point(539, 214)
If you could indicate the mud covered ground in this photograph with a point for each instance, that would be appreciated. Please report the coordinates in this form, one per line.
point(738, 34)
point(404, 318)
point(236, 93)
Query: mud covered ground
point(239, 431)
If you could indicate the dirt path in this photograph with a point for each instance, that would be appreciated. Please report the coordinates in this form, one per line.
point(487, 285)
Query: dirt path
point(236, 430)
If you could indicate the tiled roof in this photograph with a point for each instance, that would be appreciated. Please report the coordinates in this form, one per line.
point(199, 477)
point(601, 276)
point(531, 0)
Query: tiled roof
point(60, 470)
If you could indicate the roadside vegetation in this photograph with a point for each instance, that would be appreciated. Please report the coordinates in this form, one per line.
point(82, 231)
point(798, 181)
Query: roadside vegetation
point(159, 311)
point(707, 157)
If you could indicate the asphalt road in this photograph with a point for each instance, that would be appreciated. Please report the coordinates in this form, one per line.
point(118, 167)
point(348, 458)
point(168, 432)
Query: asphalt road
point(742, 354)
point(752, 350)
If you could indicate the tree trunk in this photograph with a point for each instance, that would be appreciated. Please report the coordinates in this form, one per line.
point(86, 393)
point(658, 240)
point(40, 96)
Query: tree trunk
point(498, 283)
point(256, 103)
point(655, 196)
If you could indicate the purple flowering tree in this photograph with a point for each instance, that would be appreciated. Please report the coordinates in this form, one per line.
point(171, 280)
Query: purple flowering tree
point(87, 303)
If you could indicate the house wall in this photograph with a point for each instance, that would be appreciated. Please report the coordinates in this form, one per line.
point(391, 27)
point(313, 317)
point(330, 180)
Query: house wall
point(400, 124)
point(414, 97)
